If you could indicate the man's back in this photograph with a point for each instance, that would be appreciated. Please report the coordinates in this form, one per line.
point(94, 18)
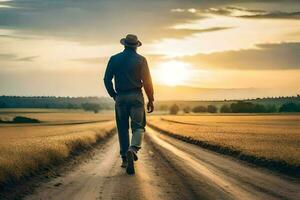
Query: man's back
point(128, 68)
point(130, 72)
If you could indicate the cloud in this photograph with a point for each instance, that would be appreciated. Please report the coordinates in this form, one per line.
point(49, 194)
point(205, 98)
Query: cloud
point(93, 22)
point(181, 33)
point(104, 22)
point(253, 13)
point(92, 60)
point(181, 10)
point(282, 56)
point(16, 37)
point(276, 15)
point(3, 4)
point(7, 57)
point(27, 59)
point(233, 11)
point(14, 57)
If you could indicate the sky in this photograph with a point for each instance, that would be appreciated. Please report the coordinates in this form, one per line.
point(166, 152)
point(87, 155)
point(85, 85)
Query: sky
point(61, 47)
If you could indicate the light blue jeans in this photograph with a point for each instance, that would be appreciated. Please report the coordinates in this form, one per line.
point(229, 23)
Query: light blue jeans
point(130, 107)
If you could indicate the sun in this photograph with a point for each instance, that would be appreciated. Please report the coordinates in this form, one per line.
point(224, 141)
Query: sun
point(173, 73)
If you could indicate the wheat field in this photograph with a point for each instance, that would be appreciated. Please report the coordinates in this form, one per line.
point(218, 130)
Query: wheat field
point(27, 148)
point(275, 137)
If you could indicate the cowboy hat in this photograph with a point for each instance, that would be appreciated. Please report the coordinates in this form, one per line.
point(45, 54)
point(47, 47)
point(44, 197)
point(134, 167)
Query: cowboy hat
point(131, 41)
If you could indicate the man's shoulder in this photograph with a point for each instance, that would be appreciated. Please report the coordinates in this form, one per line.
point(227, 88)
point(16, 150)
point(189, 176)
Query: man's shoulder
point(140, 56)
point(116, 55)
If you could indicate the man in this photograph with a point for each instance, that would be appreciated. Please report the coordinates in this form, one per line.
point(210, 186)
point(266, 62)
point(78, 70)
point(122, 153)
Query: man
point(130, 72)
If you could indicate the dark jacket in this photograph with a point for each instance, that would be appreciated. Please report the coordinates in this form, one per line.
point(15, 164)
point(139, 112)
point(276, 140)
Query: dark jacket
point(130, 72)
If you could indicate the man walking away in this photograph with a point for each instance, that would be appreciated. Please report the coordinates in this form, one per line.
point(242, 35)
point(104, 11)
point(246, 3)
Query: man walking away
point(130, 73)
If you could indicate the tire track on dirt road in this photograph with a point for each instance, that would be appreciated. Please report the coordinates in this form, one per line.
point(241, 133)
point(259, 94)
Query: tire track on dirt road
point(103, 178)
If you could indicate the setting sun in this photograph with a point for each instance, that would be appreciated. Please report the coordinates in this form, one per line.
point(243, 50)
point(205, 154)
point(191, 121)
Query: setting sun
point(173, 73)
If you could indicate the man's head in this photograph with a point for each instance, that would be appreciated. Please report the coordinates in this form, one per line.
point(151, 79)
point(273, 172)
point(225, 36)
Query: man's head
point(131, 41)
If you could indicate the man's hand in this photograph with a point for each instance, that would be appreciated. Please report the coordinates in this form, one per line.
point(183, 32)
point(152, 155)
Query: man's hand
point(150, 107)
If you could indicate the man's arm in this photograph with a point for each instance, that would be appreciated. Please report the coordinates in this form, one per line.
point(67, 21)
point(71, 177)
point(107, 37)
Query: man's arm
point(109, 74)
point(148, 86)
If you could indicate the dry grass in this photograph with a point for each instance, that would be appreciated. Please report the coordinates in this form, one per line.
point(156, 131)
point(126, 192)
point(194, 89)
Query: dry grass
point(271, 137)
point(25, 149)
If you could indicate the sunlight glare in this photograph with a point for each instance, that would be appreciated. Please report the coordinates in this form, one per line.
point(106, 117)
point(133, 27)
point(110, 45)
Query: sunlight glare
point(173, 73)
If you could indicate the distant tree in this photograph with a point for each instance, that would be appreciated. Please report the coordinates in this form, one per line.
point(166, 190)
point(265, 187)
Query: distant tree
point(51, 102)
point(270, 108)
point(212, 109)
point(163, 107)
point(3, 104)
point(91, 107)
point(71, 106)
point(248, 107)
point(290, 107)
point(187, 109)
point(258, 108)
point(199, 109)
point(174, 109)
point(225, 109)
point(21, 119)
point(241, 107)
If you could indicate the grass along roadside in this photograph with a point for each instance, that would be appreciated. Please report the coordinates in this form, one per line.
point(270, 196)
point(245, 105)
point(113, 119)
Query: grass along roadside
point(268, 141)
point(25, 151)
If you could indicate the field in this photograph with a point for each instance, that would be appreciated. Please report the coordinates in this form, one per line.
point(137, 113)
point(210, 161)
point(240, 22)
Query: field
point(42, 148)
point(27, 148)
point(268, 138)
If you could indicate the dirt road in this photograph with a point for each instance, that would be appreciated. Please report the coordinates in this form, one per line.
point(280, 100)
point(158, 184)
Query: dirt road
point(167, 169)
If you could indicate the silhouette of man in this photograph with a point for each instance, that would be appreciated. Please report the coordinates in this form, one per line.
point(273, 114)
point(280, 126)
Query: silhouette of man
point(130, 73)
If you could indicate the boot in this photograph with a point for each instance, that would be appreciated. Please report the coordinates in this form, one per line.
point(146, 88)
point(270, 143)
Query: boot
point(124, 163)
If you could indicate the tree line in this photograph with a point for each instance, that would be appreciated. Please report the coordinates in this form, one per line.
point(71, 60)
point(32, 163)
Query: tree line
point(95, 104)
point(87, 103)
point(238, 107)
